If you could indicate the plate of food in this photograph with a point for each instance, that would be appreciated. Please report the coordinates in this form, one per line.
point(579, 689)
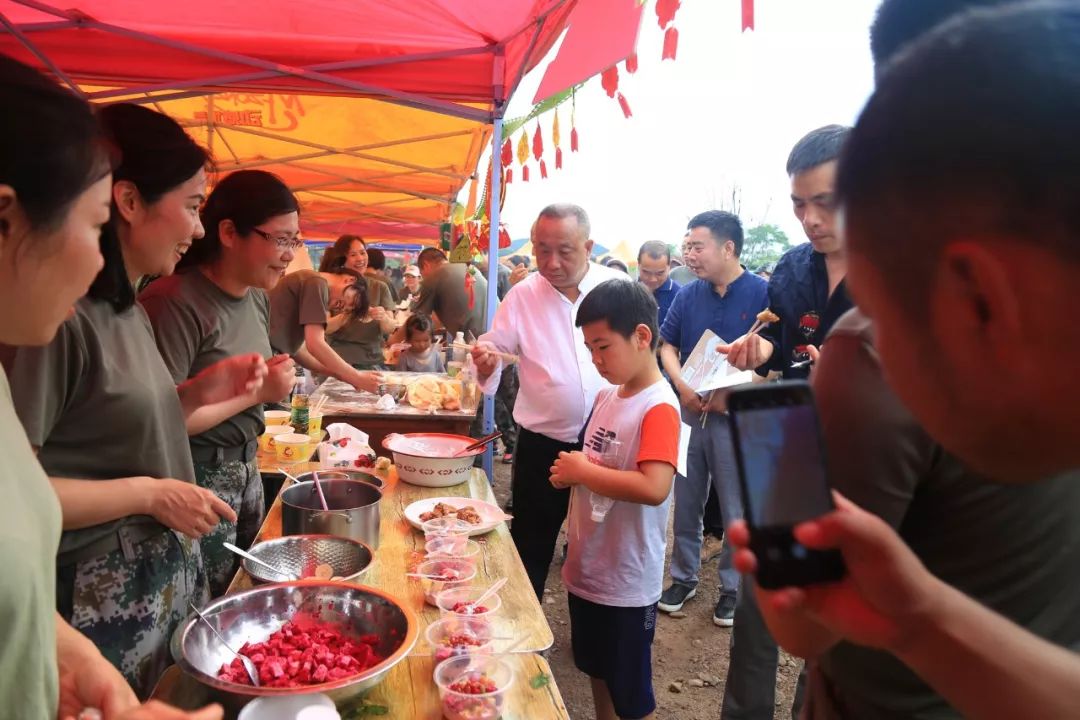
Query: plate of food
point(484, 516)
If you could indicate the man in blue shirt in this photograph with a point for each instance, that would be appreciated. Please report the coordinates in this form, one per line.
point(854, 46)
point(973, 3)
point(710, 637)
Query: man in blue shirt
point(654, 272)
point(725, 299)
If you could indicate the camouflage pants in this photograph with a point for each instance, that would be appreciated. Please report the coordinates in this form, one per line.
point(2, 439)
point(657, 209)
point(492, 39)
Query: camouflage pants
point(239, 484)
point(130, 606)
point(505, 397)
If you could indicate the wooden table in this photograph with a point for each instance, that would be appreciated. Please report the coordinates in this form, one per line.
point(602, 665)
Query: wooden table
point(408, 691)
point(347, 405)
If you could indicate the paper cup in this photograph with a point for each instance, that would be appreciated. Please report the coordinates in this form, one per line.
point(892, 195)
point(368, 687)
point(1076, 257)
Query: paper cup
point(277, 417)
point(291, 447)
point(266, 440)
point(315, 424)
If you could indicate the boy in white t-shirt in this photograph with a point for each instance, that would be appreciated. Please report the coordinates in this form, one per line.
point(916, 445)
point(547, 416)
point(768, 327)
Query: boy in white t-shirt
point(618, 517)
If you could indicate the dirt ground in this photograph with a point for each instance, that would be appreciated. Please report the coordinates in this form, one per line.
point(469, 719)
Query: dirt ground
point(685, 648)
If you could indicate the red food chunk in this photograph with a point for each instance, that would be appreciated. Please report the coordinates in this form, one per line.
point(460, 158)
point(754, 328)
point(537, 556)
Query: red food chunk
point(292, 657)
point(464, 608)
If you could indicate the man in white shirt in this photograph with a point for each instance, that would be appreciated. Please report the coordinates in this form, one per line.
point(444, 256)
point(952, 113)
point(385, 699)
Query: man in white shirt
point(558, 379)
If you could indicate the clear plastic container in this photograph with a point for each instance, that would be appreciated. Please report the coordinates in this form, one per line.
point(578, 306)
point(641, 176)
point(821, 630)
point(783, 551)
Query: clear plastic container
point(460, 548)
point(457, 702)
point(455, 573)
point(456, 636)
point(610, 457)
point(448, 601)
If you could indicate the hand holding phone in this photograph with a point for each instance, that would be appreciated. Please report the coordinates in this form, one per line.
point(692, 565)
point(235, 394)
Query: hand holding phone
point(781, 462)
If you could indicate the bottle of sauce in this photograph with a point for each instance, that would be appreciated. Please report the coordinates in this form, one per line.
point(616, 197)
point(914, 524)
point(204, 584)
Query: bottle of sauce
point(299, 417)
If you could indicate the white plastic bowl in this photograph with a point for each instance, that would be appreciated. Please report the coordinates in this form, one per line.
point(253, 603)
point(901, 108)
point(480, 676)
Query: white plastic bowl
point(434, 470)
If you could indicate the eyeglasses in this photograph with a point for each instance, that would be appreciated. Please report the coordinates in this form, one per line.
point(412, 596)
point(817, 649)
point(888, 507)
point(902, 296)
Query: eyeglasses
point(290, 242)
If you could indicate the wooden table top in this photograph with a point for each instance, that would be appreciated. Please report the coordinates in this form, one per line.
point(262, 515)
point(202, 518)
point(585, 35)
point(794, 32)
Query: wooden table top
point(408, 692)
point(343, 400)
point(401, 548)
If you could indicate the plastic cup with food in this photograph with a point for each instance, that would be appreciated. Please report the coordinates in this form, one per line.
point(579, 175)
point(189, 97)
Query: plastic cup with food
point(315, 424)
point(291, 447)
point(442, 574)
point(457, 601)
point(454, 636)
point(443, 526)
point(266, 440)
point(277, 417)
point(453, 546)
point(478, 693)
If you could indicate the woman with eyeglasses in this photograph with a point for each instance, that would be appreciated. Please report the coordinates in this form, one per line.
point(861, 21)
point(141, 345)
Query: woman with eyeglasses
point(110, 423)
point(305, 307)
point(214, 307)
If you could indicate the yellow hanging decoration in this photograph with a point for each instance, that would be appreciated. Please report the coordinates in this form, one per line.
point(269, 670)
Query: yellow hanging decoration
point(555, 130)
point(523, 148)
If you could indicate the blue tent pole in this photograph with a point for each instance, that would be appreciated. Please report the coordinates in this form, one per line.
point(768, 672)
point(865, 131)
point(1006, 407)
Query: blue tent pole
point(493, 280)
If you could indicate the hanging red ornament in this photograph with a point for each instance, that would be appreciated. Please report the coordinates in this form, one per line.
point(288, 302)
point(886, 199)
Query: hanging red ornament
point(625, 106)
point(509, 176)
point(504, 237)
point(470, 284)
point(558, 158)
point(631, 63)
point(524, 173)
point(537, 143)
point(609, 80)
point(747, 15)
point(671, 43)
point(543, 170)
point(665, 11)
point(573, 139)
point(507, 153)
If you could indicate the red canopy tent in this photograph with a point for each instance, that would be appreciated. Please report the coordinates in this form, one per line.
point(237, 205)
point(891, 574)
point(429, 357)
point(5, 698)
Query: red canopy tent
point(460, 59)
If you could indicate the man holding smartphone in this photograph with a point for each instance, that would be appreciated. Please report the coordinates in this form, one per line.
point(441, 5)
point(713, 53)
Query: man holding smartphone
point(726, 300)
point(959, 292)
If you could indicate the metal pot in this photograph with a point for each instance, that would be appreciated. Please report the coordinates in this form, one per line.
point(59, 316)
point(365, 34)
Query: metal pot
point(353, 510)
point(325, 475)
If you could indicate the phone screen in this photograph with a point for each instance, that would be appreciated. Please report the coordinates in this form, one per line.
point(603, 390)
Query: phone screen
point(783, 468)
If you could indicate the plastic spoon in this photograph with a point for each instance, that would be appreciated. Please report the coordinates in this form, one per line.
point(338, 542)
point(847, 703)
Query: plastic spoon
point(257, 561)
point(496, 587)
point(244, 660)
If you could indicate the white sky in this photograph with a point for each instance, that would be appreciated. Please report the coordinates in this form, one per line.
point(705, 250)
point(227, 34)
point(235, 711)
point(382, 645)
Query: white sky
point(726, 112)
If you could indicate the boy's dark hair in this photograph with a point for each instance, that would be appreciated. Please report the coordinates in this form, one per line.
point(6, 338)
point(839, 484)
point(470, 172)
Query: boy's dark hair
point(656, 250)
point(722, 225)
point(940, 153)
point(624, 305)
point(817, 147)
point(419, 323)
point(53, 148)
point(157, 155)
point(248, 198)
point(359, 284)
point(376, 259)
point(898, 22)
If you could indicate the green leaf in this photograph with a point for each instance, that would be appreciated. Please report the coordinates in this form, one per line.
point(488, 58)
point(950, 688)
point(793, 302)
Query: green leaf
point(375, 709)
point(539, 680)
point(365, 710)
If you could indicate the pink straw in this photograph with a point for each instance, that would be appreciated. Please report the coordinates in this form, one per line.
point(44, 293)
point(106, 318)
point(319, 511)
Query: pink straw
point(318, 489)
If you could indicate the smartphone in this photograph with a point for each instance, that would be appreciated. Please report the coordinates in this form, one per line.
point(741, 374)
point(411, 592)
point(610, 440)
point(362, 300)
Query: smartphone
point(781, 461)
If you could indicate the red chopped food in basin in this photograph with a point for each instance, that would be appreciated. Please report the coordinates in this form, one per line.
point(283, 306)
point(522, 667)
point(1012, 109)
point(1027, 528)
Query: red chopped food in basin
point(293, 657)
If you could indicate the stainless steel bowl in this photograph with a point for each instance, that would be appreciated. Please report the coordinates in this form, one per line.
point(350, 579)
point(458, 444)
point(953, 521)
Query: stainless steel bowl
point(300, 554)
point(253, 615)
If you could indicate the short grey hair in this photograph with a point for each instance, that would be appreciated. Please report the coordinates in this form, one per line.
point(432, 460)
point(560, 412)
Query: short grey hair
point(562, 211)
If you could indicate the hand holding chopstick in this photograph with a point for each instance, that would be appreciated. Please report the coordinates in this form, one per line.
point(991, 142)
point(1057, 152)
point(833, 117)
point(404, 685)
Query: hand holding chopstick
point(505, 357)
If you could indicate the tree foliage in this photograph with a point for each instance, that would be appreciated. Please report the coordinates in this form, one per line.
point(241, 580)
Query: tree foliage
point(763, 245)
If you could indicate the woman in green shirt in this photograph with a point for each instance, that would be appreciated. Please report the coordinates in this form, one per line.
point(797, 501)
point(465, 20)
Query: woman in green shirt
point(360, 340)
point(55, 186)
point(110, 424)
point(350, 252)
point(215, 307)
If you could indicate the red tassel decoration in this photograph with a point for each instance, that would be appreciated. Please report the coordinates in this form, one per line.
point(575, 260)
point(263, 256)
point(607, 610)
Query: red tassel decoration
point(573, 140)
point(507, 153)
point(543, 170)
point(747, 15)
point(625, 106)
point(509, 176)
point(504, 238)
point(609, 80)
point(524, 173)
point(631, 64)
point(537, 143)
point(558, 158)
point(671, 44)
point(665, 11)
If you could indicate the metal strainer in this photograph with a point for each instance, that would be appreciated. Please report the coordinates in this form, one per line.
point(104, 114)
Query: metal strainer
point(301, 554)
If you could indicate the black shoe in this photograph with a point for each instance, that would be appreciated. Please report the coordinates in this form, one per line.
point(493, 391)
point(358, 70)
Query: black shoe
point(724, 614)
point(676, 596)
